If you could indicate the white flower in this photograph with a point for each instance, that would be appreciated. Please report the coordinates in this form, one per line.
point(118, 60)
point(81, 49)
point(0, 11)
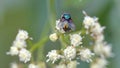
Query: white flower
point(100, 63)
point(53, 56)
point(70, 53)
point(86, 55)
point(33, 66)
point(98, 38)
point(13, 65)
point(53, 37)
point(13, 51)
point(108, 51)
point(24, 55)
point(98, 49)
point(61, 66)
point(89, 21)
point(75, 39)
point(22, 35)
point(72, 64)
point(92, 24)
point(103, 49)
point(97, 29)
point(19, 43)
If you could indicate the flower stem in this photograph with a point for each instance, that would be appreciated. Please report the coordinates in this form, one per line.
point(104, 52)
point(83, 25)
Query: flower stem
point(64, 44)
point(39, 44)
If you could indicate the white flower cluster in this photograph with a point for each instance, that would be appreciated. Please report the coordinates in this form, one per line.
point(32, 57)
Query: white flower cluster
point(98, 50)
point(101, 48)
point(89, 21)
point(86, 55)
point(53, 56)
point(71, 64)
point(13, 65)
point(53, 37)
point(75, 45)
point(75, 39)
point(71, 52)
point(33, 66)
point(19, 47)
point(99, 63)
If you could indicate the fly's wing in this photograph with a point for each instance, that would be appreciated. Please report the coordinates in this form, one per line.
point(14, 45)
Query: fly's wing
point(72, 26)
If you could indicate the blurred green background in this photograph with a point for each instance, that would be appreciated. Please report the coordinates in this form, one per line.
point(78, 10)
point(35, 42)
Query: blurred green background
point(37, 17)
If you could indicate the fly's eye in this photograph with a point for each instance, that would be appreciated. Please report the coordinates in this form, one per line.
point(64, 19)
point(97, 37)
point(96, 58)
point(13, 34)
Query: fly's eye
point(66, 16)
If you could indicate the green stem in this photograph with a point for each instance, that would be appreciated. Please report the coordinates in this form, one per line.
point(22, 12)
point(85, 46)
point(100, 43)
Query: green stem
point(39, 44)
point(40, 55)
point(62, 41)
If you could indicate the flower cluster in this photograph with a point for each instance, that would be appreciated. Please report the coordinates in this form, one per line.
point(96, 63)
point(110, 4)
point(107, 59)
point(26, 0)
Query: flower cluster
point(86, 55)
point(33, 66)
point(72, 64)
point(71, 52)
point(101, 48)
point(75, 39)
point(99, 63)
point(53, 56)
point(53, 37)
point(96, 54)
point(74, 50)
point(19, 47)
point(74, 45)
point(13, 65)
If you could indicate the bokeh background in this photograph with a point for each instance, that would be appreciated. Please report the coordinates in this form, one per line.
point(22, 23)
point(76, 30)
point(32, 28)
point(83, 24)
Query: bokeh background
point(38, 16)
